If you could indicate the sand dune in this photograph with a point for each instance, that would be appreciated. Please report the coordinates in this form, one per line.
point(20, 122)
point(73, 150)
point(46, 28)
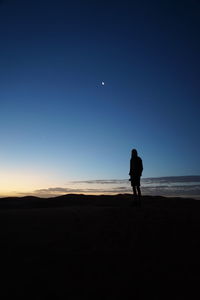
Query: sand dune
point(59, 245)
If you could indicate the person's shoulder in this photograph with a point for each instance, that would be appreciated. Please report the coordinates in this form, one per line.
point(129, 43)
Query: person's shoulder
point(139, 158)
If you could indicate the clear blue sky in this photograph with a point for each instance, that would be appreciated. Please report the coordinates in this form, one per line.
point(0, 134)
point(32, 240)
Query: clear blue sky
point(59, 123)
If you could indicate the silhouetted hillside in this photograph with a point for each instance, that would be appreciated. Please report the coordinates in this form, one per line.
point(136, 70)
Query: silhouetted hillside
point(121, 200)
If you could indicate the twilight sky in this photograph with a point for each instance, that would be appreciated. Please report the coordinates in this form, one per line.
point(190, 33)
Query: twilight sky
point(58, 123)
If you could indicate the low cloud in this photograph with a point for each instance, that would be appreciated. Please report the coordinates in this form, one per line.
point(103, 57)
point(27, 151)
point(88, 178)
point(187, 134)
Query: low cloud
point(165, 186)
point(109, 181)
point(171, 179)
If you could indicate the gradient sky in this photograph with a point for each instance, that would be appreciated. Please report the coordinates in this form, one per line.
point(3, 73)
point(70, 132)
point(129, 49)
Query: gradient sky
point(59, 123)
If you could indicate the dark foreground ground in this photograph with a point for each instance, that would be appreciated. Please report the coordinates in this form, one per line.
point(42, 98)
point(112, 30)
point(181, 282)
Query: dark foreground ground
point(78, 244)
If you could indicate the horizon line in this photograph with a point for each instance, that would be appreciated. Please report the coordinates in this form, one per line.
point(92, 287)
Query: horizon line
point(164, 185)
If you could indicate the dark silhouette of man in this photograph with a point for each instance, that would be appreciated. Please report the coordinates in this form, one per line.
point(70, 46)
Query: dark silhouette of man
point(136, 168)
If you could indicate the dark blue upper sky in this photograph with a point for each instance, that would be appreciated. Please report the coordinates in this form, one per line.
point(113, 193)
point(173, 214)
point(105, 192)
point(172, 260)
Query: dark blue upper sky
point(58, 121)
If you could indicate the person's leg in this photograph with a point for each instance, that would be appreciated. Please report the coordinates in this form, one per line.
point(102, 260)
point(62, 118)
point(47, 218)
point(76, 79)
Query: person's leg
point(138, 195)
point(134, 197)
point(134, 191)
point(138, 191)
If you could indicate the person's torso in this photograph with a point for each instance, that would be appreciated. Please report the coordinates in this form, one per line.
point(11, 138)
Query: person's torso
point(136, 165)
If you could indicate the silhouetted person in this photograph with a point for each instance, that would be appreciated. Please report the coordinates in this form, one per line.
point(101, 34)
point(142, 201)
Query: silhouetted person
point(136, 168)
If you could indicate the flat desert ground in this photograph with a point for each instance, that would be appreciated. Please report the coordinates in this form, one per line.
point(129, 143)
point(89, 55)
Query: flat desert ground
point(78, 243)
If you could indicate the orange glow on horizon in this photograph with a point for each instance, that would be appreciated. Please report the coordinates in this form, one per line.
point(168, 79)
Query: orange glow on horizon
point(14, 183)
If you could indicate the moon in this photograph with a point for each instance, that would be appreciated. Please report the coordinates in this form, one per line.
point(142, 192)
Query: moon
point(102, 83)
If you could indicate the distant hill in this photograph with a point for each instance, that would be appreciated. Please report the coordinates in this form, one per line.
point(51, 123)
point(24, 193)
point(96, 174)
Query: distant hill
point(121, 200)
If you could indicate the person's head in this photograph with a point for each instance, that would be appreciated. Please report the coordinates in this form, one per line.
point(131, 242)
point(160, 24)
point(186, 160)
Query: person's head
point(134, 153)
